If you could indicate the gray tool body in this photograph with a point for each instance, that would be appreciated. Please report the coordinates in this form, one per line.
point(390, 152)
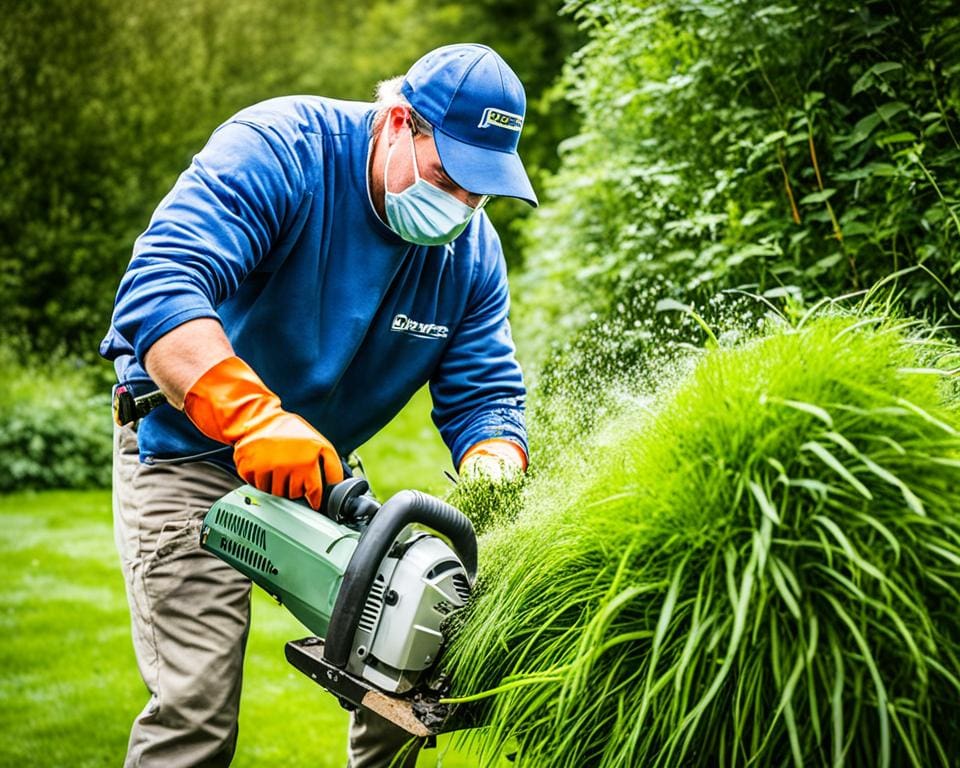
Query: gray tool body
point(399, 634)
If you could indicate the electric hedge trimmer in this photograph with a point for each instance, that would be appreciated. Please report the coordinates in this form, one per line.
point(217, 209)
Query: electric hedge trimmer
point(374, 589)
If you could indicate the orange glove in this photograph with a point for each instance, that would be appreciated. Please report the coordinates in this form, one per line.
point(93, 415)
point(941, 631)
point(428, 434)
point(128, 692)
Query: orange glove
point(493, 459)
point(276, 451)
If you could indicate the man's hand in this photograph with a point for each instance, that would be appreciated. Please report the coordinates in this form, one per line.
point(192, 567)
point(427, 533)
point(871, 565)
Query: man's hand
point(494, 460)
point(274, 450)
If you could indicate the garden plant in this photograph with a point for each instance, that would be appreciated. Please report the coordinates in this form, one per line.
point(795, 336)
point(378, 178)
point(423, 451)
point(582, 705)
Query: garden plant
point(763, 569)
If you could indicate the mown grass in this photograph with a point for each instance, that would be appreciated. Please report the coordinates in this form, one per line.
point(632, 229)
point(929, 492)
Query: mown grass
point(69, 686)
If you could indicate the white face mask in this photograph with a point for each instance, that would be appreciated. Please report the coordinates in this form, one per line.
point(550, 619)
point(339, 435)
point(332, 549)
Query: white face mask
point(423, 213)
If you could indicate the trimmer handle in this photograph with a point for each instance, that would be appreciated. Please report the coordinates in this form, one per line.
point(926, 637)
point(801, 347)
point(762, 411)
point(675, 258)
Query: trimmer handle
point(348, 502)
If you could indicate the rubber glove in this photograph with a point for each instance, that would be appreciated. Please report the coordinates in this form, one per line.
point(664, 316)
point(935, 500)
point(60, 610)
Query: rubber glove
point(274, 450)
point(495, 460)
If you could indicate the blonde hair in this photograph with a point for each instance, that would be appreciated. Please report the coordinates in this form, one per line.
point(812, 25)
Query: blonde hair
point(388, 95)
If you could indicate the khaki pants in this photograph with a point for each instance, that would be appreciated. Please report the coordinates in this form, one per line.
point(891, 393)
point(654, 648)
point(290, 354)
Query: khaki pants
point(190, 615)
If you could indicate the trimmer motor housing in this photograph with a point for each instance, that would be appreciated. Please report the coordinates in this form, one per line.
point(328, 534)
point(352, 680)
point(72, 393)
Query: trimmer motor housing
point(364, 577)
point(399, 633)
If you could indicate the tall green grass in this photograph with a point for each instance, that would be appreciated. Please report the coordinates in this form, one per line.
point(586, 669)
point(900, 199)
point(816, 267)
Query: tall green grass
point(758, 565)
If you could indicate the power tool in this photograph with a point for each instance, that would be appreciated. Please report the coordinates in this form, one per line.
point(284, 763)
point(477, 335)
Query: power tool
point(374, 583)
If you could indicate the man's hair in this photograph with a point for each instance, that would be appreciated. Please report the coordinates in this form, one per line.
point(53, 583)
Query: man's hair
point(388, 95)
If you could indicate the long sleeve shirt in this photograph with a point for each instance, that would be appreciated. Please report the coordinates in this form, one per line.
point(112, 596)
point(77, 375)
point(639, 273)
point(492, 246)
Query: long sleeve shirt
point(272, 231)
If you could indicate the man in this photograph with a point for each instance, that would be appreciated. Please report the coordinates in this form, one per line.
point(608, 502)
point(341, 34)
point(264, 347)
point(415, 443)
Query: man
point(317, 263)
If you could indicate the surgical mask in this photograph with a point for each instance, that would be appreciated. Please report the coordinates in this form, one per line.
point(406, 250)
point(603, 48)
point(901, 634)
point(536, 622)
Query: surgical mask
point(422, 213)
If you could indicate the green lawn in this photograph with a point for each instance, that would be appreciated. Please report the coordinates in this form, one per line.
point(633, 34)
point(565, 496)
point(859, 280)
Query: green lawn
point(69, 686)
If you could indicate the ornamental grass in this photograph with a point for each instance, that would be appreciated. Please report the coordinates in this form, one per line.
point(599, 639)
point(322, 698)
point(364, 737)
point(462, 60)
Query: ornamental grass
point(760, 567)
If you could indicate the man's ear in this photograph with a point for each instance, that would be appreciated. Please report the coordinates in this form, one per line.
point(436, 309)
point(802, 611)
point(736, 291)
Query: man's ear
point(397, 117)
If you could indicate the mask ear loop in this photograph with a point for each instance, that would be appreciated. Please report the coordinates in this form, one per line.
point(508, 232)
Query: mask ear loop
point(413, 149)
point(386, 167)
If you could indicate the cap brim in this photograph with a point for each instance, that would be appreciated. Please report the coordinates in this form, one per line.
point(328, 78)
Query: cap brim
point(484, 171)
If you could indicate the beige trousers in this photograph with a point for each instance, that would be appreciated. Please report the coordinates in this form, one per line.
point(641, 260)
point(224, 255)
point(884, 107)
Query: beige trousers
point(190, 615)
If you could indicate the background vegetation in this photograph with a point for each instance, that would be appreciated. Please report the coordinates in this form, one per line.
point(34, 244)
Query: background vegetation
point(801, 149)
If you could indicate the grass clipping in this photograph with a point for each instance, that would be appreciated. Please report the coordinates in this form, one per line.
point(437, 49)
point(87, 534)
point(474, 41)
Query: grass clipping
point(762, 568)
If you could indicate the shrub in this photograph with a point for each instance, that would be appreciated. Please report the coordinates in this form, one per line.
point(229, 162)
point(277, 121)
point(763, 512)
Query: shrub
point(55, 430)
point(807, 147)
point(758, 564)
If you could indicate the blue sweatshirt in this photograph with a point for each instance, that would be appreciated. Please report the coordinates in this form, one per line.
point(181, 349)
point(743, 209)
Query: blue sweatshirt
point(272, 231)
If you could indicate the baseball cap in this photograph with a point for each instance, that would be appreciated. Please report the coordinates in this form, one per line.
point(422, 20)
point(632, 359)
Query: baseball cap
point(476, 105)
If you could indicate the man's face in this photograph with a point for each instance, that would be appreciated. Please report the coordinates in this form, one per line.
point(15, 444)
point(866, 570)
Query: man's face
point(400, 173)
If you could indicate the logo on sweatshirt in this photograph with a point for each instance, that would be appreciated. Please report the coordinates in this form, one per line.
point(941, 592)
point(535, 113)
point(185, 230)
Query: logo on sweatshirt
point(404, 324)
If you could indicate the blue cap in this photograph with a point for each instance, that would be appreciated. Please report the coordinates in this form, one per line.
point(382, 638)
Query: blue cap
point(476, 105)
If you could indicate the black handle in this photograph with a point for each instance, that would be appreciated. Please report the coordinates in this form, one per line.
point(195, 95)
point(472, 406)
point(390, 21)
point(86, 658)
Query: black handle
point(349, 501)
point(128, 408)
point(402, 509)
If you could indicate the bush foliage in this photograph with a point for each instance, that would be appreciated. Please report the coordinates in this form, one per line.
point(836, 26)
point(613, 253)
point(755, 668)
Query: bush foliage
point(795, 148)
point(55, 426)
